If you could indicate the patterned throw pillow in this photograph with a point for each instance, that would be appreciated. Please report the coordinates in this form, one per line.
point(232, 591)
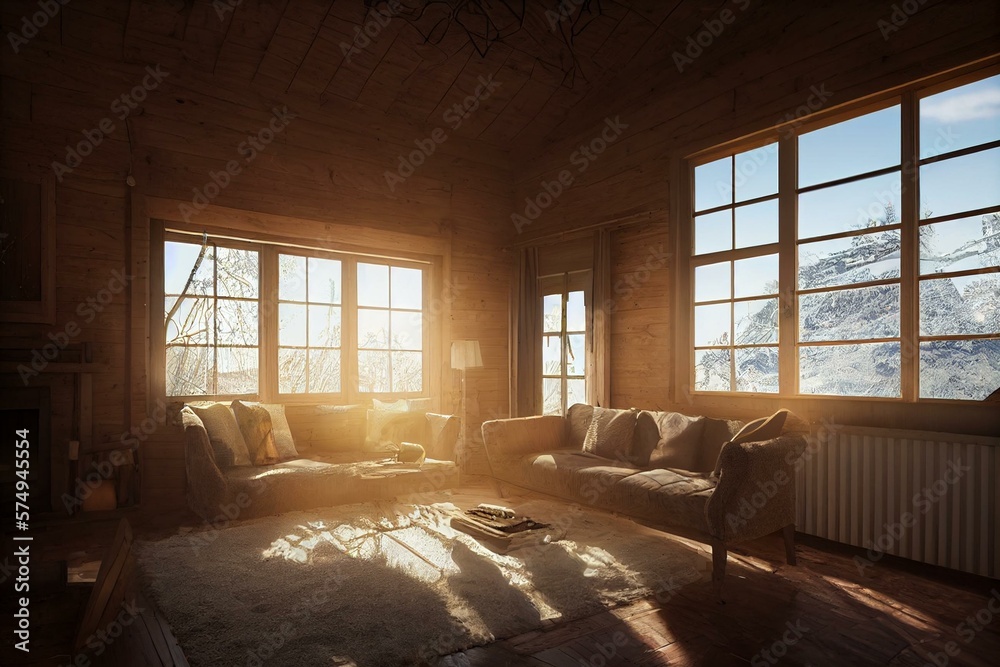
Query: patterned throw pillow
point(679, 441)
point(255, 425)
point(610, 433)
point(283, 440)
point(228, 445)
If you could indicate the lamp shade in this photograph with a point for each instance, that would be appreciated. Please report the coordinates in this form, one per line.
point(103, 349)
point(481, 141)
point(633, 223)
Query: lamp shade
point(466, 354)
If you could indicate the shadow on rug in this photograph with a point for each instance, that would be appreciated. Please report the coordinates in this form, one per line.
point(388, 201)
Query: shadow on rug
point(384, 584)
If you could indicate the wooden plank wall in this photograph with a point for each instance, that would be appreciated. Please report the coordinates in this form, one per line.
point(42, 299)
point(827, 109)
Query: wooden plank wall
point(326, 166)
point(760, 68)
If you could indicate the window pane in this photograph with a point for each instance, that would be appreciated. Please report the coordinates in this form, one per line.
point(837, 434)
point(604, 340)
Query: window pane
point(713, 184)
point(957, 245)
point(865, 369)
point(193, 323)
point(237, 272)
point(963, 305)
point(291, 371)
point(576, 354)
point(713, 232)
point(325, 280)
point(711, 370)
point(291, 278)
point(552, 313)
point(845, 261)
point(870, 202)
point(576, 392)
point(576, 312)
point(373, 285)
point(178, 260)
point(291, 324)
point(407, 288)
point(757, 224)
point(959, 369)
point(238, 370)
point(551, 396)
point(757, 369)
point(407, 371)
point(961, 117)
point(373, 329)
point(552, 355)
point(324, 326)
point(855, 146)
point(756, 321)
point(189, 370)
point(960, 184)
point(712, 282)
point(712, 324)
point(756, 276)
point(373, 371)
point(757, 172)
point(407, 331)
point(237, 322)
point(324, 371)
point(850, 314)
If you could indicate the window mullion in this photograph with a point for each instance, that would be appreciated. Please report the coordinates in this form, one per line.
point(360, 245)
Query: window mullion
point(349, 371)
point(788, 355)
point(909, 327)
point(268, 330)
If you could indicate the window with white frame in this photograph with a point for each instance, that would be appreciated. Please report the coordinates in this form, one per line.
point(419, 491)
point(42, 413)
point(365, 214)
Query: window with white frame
point(253, 319)
point(856, 256)
point(564, 341)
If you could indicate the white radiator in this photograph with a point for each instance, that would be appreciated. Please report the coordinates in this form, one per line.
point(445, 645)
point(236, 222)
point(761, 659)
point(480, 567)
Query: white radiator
point(904, 493)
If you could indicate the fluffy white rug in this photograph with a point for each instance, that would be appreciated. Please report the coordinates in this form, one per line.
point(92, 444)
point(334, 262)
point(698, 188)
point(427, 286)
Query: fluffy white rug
point(384, 584)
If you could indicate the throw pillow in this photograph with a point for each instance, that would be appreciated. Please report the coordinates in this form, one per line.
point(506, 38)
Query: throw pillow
point(255, 425)
point(283, 440)
point(380, 416)
point(765, 428)
point(679, 441)
point(610, 433)
point(228, 445)
point(578, 419)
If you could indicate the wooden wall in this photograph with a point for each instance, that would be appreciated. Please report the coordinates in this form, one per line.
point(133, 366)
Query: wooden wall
point(324, 172)
point(761, 67)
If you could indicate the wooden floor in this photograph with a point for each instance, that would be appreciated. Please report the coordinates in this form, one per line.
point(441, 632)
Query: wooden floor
point(821, 612)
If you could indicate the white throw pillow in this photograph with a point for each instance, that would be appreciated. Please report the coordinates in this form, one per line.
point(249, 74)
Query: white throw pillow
point(283, 440)
point(379, 417)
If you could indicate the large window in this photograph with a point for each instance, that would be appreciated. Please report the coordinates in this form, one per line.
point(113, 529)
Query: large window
point(254, 319)
point(857, 256)
point(564, 342)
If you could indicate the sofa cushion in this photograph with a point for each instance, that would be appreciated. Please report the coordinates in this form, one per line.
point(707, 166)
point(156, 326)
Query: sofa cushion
point(672, 497)
point(568, 474)
point(578, 419)
point(255, 425)
point(717, 433)
point(610, 432)
point(381, 414)
point(677, 440)
point(228, 445)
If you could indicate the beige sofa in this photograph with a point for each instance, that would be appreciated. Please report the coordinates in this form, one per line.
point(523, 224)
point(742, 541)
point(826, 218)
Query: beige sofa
point(683, 473)
point(221, 493)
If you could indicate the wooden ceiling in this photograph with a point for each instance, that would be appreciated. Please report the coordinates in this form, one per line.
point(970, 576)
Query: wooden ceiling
point(297, 47)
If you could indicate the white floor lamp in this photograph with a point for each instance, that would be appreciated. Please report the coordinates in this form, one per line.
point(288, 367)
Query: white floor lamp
point(465, 354)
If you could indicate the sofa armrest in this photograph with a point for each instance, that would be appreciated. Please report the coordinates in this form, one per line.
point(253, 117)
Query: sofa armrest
point(523, 435)
point(442, 435)
point(755, 494)
point(206, 485)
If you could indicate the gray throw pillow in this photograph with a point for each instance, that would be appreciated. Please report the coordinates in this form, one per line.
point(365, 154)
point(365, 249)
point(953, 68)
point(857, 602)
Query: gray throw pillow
point(679, 441)
point(283, 440)
point(228, 445)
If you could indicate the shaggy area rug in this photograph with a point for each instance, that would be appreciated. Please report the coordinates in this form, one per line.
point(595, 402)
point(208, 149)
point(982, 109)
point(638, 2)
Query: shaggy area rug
point(382, 584)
